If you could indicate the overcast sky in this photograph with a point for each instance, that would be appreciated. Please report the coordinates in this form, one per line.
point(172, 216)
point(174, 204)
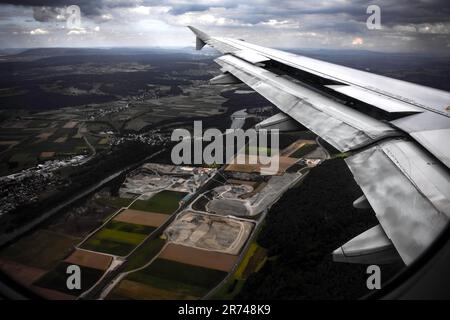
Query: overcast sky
point(407, 25)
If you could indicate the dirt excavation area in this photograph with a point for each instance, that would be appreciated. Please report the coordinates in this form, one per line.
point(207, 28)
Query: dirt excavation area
point(153, 177)
point(209, 232)
point(142, 183)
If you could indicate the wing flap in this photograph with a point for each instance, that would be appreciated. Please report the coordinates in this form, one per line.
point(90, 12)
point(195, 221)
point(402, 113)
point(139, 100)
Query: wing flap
point(369, 247)
point(338, 124)
point(407, 190)
point(280, 121)
point(250, 56)
point(431, 130)
point(375, 99)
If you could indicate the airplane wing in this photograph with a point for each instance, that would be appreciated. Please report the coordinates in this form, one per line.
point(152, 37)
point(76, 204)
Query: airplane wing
point(395, 131)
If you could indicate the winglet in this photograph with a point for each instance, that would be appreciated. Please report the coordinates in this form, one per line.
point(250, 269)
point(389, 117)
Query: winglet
point(201, 38)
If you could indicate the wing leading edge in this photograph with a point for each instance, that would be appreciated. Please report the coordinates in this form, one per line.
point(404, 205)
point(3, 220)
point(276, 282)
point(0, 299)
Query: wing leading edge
point(396, 131)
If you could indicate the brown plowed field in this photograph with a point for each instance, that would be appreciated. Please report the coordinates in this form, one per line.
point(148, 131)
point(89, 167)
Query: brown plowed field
point(90, 259)
point(141, 217)
point(198, 257)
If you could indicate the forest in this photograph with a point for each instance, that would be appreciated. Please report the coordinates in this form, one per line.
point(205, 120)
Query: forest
point(302, 230)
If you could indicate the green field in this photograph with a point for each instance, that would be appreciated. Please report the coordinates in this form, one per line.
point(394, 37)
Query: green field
point(42, 249)
point(56, 279)
point(300, 153)
point(258, 151)
point(117, 238)
point(27, 153)
point(128, 227)
point(67, 147)
point(98, 126)
point(115, 202)
point(228, 290)
point(296, 167)
point(21, 157)
point(146, 252)
point(163, 202)
point(174, 276)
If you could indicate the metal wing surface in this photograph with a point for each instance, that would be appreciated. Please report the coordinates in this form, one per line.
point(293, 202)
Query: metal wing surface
point(396, 132)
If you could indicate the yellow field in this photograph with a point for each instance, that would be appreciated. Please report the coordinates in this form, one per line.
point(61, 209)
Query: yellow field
point(253, 260)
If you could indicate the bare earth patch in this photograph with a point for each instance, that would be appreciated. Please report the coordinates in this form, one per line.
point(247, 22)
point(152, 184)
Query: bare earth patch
point(61, 139)
point(7, 143)
point(250, 164)
point(294, 147)
point(70, 125)
point(198, 257)
point(209, 232)
point(44, 135)
point(244, 182)
point(141, 217)
point(23, 274)
point(89, 259)
point(52, 294)
point(47, 154)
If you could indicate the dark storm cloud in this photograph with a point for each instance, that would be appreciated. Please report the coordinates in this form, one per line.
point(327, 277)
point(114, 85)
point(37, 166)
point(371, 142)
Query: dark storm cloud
point(87, 7)
point(394, 12)
point(45, 14)
point(189, 8)
point(406, 23)
point(414, 11)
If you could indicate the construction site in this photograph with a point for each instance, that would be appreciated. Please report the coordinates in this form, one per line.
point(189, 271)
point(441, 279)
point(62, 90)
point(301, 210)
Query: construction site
point(153, 177)
point(209, 232)
point(210, 243)
point(245, 200)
